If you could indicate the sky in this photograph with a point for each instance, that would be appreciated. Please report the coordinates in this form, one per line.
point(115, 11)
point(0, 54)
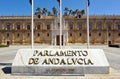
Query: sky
point(23, 8)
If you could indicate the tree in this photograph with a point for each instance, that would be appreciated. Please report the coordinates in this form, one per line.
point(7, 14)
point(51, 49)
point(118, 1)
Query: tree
point(79, 14)
point(54, 11)
point(38, 9)
point(66, 10)
point(44, 11)
point(82, 12)
point(38, 12)
point(65, 14)
point(70, 12)
point(76, 11)
point(50, 13)
point(73, 13)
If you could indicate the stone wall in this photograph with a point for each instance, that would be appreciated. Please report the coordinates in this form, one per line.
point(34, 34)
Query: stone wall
point(17, 29)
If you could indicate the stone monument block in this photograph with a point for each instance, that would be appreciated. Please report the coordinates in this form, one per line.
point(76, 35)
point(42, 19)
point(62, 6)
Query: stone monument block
point(60, 62)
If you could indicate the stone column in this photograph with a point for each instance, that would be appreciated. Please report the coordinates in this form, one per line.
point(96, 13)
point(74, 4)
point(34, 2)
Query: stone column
point(3, 26)
point(51, 38)
point(13, 27)
point(3, 38)
point(52, 33)
point(13, 38)
point(67, 38)
point(113, 23)
point(55, 40)
point(23, 28)
point(23, 38)
point(64, 39)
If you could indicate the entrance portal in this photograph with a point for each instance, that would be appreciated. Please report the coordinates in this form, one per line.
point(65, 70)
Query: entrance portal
point(58, 40)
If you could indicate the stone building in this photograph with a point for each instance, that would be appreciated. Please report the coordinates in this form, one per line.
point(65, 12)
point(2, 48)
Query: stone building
point(17, 30)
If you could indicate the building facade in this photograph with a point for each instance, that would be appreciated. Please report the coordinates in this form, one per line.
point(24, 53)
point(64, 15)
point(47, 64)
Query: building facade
point(17, 30)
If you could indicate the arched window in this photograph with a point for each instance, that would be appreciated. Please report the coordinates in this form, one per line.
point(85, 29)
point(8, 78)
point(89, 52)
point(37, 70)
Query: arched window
point(48, 35)
point(90, 27)
point(99, 26)
point(18, 35)
point(118, 34)
point(71, 26)
point(38, 34)
point(8, 27)
point(109, 26)
point(28, 34)
point(109, 34)
point(80, 34)
point(28, 27)
point(118, 26)
point(89, 34)
point(58, 24)
point(8, 35)
point(48, 27)
point(79, 26)
point(18, 27)
point(38, 26)
point(100, 34)
point(70, 34)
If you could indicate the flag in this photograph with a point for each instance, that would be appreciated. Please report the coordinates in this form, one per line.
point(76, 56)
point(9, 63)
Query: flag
point(88, 2)
point(58, 2)
point(30, 1)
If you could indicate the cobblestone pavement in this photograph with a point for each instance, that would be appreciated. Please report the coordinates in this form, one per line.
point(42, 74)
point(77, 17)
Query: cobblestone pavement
point(113, 55)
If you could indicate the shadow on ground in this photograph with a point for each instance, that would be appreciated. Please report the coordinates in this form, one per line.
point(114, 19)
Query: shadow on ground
point(7, 68)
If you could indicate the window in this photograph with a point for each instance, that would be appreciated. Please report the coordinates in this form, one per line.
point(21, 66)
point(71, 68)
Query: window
point(7, 34)
point(90, 27)
point(80, 34)
point(28, 27)
point(38, 26)
point(70, 34)
point(48, 27)
point(18, 27)
point(71, 26)
point(89, 34)
point(99, 26)
point(38, 34)
point(99, 34)
point(109, 34)
point(58, 25)
point(18, 35)
point(119, 27)
point(79, 27)
point(109, 27)
point(28, 34)
point(8, 27)
point(119, 34)
point(48, 34)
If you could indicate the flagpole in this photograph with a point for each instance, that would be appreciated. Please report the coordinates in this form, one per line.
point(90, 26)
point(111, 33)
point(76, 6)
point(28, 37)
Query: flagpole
point(87, 13)
point(32, 29)
point(60, 24)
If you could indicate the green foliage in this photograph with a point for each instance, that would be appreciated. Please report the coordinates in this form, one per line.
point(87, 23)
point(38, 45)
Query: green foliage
point(1, 46)
point(54, 12)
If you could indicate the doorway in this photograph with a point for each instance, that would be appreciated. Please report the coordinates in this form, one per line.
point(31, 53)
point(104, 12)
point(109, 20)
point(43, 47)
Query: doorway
point(58, 39)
